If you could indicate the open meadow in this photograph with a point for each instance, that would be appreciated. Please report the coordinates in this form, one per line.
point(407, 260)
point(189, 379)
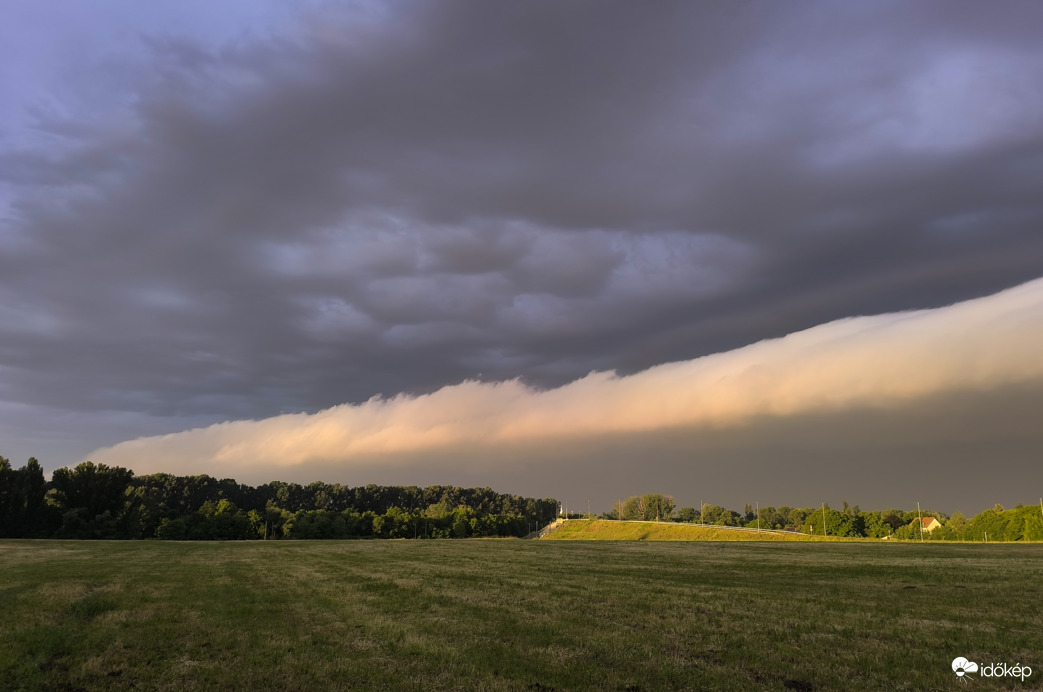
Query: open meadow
point(515, 615)
point(612, 530)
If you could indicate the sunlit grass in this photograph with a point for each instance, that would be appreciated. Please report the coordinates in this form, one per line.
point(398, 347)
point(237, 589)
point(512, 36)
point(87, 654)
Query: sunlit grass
point(510, 614)
point(604, 530)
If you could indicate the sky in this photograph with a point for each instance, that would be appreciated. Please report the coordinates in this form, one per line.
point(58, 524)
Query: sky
point(733, 252)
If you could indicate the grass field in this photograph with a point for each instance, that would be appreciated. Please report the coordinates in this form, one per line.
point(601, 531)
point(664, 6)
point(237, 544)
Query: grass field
point(603, 530)
point(511, 614)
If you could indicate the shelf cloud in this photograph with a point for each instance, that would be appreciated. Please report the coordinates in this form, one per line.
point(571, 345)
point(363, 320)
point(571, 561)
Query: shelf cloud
point(861, 363)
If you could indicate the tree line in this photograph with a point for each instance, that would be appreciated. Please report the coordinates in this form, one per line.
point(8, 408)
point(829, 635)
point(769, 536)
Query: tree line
point(1022, 523)
point(99, 501)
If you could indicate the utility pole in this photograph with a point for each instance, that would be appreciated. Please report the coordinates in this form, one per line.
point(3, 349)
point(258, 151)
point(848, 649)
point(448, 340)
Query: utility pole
point(758, 516)
point(920, 519)
point(824, 519)
point(702, 510)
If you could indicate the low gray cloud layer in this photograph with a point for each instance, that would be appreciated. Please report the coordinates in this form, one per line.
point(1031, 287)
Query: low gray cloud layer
point(205, 225)
point(878, 386)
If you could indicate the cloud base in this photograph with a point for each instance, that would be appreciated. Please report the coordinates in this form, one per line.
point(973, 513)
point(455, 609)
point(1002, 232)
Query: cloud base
point(914, 362)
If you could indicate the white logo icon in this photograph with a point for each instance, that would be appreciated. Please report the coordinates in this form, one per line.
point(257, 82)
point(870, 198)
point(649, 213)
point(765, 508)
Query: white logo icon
point(961, 666)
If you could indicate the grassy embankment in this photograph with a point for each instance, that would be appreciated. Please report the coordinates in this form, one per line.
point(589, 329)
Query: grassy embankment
point(604, 530)
point(509, 614)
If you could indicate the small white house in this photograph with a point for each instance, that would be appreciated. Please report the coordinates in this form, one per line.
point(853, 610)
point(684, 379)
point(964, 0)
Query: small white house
point(929, 524)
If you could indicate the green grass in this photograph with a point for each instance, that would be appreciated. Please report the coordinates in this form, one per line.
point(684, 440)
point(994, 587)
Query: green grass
point(514, 615)
point(603, 530)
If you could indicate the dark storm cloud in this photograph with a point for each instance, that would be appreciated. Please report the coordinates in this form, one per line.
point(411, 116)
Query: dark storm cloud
point(857, 398)
point(383, 200)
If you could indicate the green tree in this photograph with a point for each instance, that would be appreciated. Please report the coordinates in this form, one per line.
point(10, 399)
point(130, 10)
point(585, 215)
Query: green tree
point(633, 510)
point(23, 511)
point(957, 523)
point(660, 507)
point(171, 530)
point(771, 518)
point(875, 526)
point(687, 514)
point(1018, 524)
point(720, 516)
point(838, 523)
point(461, 524)
point(98, 491)
point(908, 532)
point(10, 503)
point(894, 518)
point(649, 507)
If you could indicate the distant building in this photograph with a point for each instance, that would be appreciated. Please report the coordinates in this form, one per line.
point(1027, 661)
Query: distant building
point(929, 524)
